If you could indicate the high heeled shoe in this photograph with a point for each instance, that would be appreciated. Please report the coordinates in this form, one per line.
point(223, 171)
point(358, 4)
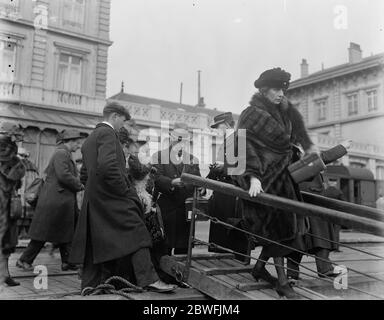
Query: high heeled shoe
point(262, 273)
point(286, 291)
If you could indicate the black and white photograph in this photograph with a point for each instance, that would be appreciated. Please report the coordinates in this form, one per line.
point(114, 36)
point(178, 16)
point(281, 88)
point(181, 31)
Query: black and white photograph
point(191, 155)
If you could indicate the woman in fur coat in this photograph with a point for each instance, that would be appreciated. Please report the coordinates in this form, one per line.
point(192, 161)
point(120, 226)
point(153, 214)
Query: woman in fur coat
point(272, 127)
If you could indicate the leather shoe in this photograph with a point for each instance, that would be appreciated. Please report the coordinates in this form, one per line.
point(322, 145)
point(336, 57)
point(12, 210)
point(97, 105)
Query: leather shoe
point(11, 282)
point(24, 265)
point(329, 274)
point(262, 273)
point(68, 267)
point(287, 291)
point(161, 287)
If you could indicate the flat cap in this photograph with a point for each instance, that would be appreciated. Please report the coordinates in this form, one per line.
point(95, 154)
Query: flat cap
point(69, 134)
point(223, 118)
point(115, 107)
point(274, 78)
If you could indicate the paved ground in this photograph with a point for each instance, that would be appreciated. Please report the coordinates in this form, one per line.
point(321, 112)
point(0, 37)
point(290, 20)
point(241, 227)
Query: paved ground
point(61, 285)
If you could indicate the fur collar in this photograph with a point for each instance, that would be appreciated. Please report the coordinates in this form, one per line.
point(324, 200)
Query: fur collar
point(299, 131)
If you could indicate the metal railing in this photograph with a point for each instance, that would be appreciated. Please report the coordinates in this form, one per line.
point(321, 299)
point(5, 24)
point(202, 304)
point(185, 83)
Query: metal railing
point(333, 216)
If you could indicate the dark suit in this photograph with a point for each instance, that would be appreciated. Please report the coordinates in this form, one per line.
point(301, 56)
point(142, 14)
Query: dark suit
point(56, 211)
point(172, 201)
point(111, 226)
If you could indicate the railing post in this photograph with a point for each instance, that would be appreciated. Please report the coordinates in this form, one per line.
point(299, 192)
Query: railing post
point(191, 239)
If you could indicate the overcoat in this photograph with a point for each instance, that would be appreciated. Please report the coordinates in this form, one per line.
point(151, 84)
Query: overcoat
point(269, 139)
point(317, 226)
point(111, 210)
point(172, 203)
point(11, 173)
point(56, 210)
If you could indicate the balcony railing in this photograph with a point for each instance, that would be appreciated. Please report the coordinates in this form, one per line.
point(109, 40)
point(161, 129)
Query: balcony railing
point(15, 92)
point(69, 98)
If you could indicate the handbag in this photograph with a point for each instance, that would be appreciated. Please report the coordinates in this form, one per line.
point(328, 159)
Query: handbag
point(16, 208)
point(306, 168)
point(154, 224)
point(32, 192)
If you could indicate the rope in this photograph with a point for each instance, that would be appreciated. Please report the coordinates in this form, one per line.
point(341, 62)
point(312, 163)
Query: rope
point(286, 268)
point(346, 246)
point(215, 220)
point(122, 287)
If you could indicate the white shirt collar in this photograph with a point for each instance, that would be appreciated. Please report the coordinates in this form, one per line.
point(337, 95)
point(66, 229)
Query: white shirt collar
point(107, 123)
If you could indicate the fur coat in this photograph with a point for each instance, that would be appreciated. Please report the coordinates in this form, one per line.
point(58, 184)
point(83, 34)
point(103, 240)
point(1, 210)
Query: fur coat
point(271, 131)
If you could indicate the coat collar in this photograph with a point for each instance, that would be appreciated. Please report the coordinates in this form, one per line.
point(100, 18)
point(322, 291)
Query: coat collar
point(65, 148)
point(105, 125)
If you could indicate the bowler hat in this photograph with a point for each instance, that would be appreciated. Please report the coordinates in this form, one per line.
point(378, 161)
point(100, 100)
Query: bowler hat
point(223, 118)
point(69, 134)
point(274, 78)
point(180, 131)
point(114, 107)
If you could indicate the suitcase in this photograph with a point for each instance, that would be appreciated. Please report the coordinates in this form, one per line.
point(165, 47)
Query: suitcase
point(306, 168)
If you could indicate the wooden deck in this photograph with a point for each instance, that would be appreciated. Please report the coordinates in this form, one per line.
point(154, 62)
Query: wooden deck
point(215, 277)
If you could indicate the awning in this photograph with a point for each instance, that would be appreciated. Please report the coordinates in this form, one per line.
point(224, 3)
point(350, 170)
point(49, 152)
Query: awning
point(45, 118)
point(350, 172)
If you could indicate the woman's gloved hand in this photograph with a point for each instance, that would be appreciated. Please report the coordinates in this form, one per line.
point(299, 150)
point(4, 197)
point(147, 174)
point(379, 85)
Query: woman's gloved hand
point(255, 187)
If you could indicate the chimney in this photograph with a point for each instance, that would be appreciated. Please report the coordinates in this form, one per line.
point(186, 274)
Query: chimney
point(304, 68)
point(122, 87)
point(355, 53)
point(201, 103)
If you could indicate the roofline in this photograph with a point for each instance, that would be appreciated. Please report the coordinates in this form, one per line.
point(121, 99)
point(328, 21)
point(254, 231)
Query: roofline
point(338, 71)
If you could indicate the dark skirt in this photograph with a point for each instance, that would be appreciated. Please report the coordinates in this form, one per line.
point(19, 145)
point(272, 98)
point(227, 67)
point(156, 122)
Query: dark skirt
point(269, 223)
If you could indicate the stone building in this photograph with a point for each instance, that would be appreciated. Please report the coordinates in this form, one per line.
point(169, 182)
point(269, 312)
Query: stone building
point(152, 114)
point(346, 102)
point(53, 68)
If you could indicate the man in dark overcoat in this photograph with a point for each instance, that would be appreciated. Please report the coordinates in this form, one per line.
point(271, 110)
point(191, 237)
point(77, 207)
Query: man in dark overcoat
point(111, 232)
point(318, 227)
point(56, 210)
point(222, 206)
point(171, 163)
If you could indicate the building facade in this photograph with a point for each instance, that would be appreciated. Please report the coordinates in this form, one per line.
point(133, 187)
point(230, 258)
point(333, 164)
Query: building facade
point(53, 68)
point(155, 118)
point(346, 102)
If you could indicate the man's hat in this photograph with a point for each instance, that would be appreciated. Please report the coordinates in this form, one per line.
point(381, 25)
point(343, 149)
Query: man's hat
point(274, 78)
point(180, 131)
point(223, 118)
point(69, 134)
point(114, 107)
point(11, 130)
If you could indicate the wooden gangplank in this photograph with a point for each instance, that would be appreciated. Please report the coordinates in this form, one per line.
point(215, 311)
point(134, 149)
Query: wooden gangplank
point(222, 277)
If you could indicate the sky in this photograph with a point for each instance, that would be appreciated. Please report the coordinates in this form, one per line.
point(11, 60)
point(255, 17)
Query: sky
point(157, 44)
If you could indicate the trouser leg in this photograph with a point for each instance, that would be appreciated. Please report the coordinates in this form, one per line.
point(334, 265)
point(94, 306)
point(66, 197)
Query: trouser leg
point(143, 268)
point(33, 249)
point(91, 273)
point(293, 264)
point(321, 265)
point(64, 251)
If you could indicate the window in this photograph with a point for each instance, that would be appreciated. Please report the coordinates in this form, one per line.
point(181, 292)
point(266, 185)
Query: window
point(74, 13)
point(372, 100)
point(322, 109)
point(353, 104)
point(7, 61)
point(380, 173)
point(69, 75)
